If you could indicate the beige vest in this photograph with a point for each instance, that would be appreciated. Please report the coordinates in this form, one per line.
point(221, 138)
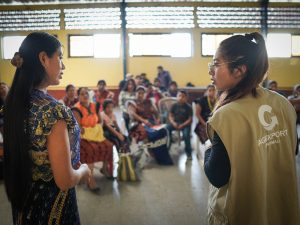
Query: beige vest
point(260, 138)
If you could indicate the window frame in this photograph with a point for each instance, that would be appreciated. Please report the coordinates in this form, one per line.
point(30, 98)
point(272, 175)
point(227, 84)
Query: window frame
point(69, 46)
point(91, 57)
point(209, 33)
point(160, 33)
point(294, 56)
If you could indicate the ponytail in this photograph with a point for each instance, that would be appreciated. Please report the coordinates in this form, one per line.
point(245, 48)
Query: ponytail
point(249, 50)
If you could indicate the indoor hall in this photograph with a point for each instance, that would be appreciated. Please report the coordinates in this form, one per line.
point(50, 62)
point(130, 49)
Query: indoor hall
point(139, 70)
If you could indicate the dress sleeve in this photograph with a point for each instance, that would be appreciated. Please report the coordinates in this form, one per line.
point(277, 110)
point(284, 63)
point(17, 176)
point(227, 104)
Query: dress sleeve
point(54, 114)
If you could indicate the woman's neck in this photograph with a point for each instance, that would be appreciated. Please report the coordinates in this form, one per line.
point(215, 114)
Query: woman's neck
point(42, 87)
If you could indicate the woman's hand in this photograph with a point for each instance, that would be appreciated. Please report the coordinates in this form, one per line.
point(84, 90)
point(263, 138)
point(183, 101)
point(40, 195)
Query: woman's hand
point(147, 123)
point(121, 137)
point(86, 173)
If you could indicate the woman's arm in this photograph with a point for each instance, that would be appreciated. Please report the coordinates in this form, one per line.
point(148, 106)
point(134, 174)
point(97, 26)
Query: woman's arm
point(132, 112)
point(216, 163)
point(198, 114)
point(60, 158)
point(113, 131)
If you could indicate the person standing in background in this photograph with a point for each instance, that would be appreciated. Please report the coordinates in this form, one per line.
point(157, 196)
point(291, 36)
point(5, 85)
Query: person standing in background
point(164, 77)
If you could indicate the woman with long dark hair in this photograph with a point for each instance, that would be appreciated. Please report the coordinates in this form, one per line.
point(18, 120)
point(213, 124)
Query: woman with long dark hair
point(41, 139)
point(128, 93)
point(251, 164)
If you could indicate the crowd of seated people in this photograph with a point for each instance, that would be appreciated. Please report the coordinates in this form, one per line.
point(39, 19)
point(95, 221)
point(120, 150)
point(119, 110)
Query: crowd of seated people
point(138, 101)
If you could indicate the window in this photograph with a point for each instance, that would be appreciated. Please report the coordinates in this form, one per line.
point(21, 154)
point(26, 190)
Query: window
point(10, 45)
point(160, 17)
point(210, 43)
point(92, 18)
point(81, 46)
point(97, 46)
point(107, 45)
point(279, 45)
point(296, 45)
point(228, 17)
point(29, 20)
point(172, 45)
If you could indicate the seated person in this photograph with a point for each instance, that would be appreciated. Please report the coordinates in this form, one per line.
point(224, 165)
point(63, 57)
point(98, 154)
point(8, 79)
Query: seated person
point(180, 118)
point(155, 140)
point(70, 99)
point(138, 80)
point(173, 90)
point(204, 108)
point(143, 110)
point(296, 93)
point(93, 146)
point(153, 93)
point(128, 93)
point(110, 126)
point(101, 94)
point(273, 86)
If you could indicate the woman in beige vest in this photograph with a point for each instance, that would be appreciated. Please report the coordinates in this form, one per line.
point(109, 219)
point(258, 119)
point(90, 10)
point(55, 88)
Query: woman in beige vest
point(251, 164)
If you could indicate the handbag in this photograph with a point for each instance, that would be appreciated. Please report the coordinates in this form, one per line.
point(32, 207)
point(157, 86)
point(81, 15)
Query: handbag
point(200, 131)
point(126, 169)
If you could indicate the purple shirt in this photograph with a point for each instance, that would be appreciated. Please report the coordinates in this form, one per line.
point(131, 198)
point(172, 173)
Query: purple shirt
point(164, 78)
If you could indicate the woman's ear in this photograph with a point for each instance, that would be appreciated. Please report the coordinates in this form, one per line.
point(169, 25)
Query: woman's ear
point(240, 71)
point(44, 59)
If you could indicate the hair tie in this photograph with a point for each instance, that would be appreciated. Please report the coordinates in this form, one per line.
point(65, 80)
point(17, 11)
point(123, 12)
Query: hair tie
point(17, 60)
point(251, 38)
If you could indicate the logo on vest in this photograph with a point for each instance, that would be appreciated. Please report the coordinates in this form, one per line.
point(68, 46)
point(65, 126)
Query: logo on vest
point(272, 138)
point(261, 115)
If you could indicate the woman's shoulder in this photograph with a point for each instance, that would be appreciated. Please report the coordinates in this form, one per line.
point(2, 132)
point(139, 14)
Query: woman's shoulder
point(48, 106)
point(43, 101)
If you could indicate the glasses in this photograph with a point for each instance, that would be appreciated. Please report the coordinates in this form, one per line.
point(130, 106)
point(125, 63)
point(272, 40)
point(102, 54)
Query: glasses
point(213, 65)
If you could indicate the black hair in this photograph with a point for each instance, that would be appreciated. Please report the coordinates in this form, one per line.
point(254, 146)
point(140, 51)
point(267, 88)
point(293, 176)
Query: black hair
point(183, 92)
point(210, 86)
point(173, 83)
point(249, 50)
point(17, 161)
point(272, 82)
point(79, 90)
point(107, 102)
point(160, 67)
point(69, 86)
point(101, 82)
point(141, 88)
point(126, 84)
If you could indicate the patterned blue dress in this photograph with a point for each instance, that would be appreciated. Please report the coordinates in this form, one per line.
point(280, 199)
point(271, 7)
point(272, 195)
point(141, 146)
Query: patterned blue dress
point(45, 202)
